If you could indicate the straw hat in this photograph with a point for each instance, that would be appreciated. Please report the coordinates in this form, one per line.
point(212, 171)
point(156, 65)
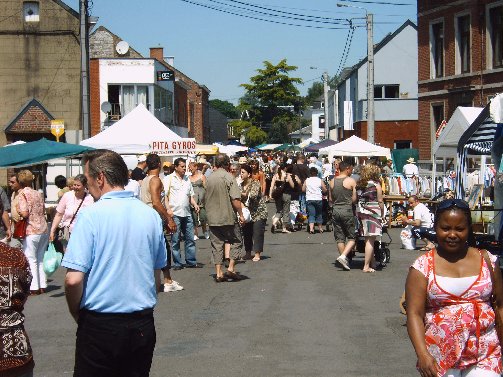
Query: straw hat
point(411, 160)
point(167, 164)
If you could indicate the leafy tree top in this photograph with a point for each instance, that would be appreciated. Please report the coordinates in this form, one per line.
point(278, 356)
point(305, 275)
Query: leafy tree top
point(225, 107)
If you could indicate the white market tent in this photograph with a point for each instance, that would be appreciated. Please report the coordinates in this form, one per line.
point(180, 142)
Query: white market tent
point(231, 150)
point(136, 133)
point(355, 147)
point(447, 143)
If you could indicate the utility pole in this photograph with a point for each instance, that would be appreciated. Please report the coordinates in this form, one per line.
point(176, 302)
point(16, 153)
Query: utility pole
point(84, 68)
point(325, 101)
point(370, 80)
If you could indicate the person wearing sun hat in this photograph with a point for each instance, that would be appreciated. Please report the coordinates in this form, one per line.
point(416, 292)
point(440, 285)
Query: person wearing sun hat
point(410, 168)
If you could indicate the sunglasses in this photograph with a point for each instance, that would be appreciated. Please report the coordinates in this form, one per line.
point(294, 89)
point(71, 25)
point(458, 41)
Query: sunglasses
point(449, 203)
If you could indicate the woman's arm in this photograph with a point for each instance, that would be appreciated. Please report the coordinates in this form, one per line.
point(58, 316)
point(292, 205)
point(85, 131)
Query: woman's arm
point(22, 203)
point(304, 187)
point(203, 178)
point(55, 222)
point(415, 294)
point(380, 198)
point(273, 184)
point(323, 187)
point(261, 177)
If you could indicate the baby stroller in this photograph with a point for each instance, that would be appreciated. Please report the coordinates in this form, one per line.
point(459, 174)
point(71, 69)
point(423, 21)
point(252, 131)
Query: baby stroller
point(382, 253)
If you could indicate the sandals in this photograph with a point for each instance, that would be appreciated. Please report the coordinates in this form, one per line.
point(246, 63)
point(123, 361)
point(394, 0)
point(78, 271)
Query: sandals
point(285, 231)
point(220, 279)
point(232, 275)
point(256, 258)
point(425, 249)
point(369, 271)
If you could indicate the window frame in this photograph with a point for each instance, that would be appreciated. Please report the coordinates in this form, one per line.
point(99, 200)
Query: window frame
point(433, 125)
point(433, 67)
point(458, 43)
point(489, 42)
point(34, 18)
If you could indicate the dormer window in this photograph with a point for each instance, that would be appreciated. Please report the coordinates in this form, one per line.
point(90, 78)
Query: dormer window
point(31, 11)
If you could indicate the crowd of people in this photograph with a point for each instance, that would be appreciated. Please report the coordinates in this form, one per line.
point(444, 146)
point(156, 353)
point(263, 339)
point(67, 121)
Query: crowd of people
point(96, 225)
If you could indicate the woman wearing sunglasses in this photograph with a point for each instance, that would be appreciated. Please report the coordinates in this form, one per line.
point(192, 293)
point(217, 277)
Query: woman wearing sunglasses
point(450, 320)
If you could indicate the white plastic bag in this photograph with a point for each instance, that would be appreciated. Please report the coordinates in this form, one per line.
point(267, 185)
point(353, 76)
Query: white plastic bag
point(408, 242)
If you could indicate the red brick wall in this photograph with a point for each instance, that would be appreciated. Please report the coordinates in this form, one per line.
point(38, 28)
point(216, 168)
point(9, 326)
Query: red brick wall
point(453, 89)
point(182, 105)
point(387, 132)
point(33, 121)
point(94, 93)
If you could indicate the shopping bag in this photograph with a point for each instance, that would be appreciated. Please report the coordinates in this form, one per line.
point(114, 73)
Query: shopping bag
point(408, 242)
point(52, 260)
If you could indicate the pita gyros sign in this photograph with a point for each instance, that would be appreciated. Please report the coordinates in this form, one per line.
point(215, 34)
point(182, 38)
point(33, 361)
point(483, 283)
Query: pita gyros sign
point(173, 147)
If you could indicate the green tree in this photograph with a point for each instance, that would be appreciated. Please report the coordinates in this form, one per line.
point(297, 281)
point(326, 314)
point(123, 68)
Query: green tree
point(252, 134)
point(314, 92)
point(270, 93)
point(225, 107)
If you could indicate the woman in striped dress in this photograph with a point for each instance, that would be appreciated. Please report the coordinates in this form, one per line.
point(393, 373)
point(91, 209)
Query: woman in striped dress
point(370, 210)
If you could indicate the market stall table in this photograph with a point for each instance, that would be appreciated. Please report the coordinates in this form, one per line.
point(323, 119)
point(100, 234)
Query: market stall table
point(390, 199)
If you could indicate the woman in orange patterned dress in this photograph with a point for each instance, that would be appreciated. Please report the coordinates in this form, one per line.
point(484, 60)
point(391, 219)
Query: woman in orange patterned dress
point(448, 290)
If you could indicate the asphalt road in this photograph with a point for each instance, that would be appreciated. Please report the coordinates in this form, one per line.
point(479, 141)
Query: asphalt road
point(296, 315)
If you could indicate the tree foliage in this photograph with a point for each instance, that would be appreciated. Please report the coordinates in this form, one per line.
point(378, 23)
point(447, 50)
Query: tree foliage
point(225, 107)
point(252, 134)
point(270, 95)
point(314, 92)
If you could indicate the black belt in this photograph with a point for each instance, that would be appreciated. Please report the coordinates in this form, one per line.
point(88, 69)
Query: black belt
point(138, 314)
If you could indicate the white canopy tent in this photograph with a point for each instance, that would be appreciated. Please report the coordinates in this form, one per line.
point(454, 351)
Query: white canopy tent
point(355, 147)
point(231, 150)
point(140, 132)
point(447, 143)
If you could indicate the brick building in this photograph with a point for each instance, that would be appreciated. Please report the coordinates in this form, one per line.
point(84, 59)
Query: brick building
point(39, 69)
point(197, 104)
point(460, 60)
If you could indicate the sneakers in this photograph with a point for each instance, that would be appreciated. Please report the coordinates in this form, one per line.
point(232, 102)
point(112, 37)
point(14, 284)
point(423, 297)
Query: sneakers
point(195, 237)
point(173, 287)
point(207, 235)
point(343, 262)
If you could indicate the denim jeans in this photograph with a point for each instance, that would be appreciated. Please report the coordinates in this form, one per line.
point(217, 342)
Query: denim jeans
point(314, 211)
point(184, 225)
point(302, 202)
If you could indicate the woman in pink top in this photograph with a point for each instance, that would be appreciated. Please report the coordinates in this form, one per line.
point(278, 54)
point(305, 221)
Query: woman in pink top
point(449, 315)
point(31, 207)
point(69, 206)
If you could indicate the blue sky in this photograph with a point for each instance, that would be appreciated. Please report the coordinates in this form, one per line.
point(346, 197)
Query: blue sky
point(222, 51)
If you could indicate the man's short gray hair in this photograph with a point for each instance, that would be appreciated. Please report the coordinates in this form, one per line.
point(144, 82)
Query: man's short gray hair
point(109, 163)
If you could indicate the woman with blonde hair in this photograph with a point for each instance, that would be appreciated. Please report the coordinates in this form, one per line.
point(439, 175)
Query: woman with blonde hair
point(30, 207)
point(370, 210)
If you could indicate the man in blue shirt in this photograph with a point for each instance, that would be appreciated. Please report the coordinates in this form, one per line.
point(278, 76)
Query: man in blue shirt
point(114, 264)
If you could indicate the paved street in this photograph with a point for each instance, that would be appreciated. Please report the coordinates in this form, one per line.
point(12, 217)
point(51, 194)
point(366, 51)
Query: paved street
point(296, 315)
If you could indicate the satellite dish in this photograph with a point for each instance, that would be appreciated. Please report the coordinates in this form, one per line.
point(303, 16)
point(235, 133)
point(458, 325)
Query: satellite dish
point(106, 107)
point(122, 47)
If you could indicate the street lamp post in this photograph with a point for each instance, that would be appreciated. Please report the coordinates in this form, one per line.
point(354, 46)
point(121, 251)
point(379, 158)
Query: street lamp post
point(370, 73)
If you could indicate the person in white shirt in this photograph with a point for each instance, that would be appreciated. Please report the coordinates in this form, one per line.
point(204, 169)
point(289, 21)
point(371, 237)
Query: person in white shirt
point(179, 197)
point(410, 168)
point(422, 223)
point(132, 186)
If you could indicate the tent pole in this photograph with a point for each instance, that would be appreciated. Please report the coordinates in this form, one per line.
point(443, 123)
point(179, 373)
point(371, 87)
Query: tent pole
point(434, 176)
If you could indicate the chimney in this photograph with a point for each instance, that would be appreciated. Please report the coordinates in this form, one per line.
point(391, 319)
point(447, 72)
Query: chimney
point(157, 53)
point(170, 60)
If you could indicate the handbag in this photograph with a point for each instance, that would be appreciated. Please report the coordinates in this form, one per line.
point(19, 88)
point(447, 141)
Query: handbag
point(497, 286)
point(20, 229)
point(246, 211)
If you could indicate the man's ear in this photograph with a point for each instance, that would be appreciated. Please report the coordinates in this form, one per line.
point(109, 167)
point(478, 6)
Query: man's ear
point(100, 179)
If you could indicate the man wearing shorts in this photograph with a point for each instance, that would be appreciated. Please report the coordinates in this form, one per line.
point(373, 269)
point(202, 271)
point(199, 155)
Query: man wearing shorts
point(223, 200)
point(342, 196)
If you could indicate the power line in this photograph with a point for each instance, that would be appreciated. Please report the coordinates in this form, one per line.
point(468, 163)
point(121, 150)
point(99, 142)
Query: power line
point(336, 21)
point(377, 2)
point(283, 12)
point(347, 47)
point(261, 19)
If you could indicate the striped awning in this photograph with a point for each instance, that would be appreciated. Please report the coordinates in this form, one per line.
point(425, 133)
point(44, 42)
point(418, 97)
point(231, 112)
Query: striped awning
point(476, 140)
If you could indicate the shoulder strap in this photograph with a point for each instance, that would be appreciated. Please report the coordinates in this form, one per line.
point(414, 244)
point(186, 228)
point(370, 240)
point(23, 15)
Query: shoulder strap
point(75, 214)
